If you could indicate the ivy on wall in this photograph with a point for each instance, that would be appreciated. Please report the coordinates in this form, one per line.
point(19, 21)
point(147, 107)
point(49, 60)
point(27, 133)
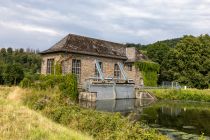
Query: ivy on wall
point(149, 71)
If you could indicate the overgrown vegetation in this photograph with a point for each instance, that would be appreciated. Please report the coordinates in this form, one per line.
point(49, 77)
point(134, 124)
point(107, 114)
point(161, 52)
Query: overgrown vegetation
point(17, 64)
point(149, 71)
point(67, 84)
point(20, 123)
point(185, 60)
point(100, 125)
point(181, 94)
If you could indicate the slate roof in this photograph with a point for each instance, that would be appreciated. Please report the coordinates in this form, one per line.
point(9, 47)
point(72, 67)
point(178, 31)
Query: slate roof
point(89, 46)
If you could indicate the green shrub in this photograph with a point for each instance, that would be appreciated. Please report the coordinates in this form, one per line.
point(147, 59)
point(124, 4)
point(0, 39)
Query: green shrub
point(69, 86)
point(25, 83)
point(149, 72)
point(66, 83)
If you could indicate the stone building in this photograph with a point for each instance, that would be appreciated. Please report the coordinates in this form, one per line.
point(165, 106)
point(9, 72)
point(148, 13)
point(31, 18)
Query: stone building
point(79, 54)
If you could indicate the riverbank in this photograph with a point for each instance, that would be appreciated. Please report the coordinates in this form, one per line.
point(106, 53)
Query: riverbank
point(181, 94)
point(19, 122)
point(100, 125)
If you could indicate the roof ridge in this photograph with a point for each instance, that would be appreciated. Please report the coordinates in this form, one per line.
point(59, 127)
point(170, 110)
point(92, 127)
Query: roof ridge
point(95, 39)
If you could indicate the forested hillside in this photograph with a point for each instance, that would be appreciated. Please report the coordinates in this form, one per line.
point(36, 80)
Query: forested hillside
point(185, 60)
point(15, 64)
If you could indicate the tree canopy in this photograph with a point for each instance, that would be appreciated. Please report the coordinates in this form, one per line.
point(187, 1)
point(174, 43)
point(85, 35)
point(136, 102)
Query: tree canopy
point(186, 60)
point(15, 64)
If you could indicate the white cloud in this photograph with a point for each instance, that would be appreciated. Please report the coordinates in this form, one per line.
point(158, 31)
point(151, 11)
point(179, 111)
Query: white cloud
point(121, 21)
point(29, 28)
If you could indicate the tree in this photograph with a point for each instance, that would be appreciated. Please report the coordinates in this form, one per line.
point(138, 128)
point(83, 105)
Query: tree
point(157, 52)
point(13, 74)
point(188, 62)
point(1, 73)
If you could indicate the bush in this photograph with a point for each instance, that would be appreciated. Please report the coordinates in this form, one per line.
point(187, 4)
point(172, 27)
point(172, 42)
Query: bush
point(25, 83)
point(66, 83)
point(69, 86)
point(149, 72)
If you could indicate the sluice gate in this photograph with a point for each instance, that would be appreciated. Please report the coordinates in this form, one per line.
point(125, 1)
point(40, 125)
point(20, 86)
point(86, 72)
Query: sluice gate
point(112, 87)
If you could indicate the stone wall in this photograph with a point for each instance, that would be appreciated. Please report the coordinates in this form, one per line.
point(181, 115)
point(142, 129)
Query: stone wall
point(56, 58)
point(88, 65)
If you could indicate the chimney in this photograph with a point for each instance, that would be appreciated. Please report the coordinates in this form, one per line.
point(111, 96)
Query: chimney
point(131, 53)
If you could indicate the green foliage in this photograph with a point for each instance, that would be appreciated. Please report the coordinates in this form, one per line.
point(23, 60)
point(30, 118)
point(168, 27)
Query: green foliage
point(189, 62)
point(100, 125)
point(58, 68)
point(67, 84)
point(185, 60)
point(13, 74)
point(157, 52)
point(13, 62)
point(25, 83)
point(147, 66)
point(189, 94)
point(1, 73)
point(150, 78)
point(171, 43)
point(35, 100)
point(149, 71)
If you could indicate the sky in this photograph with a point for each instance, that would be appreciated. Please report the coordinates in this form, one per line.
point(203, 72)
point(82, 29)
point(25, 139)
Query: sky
point(39, 24)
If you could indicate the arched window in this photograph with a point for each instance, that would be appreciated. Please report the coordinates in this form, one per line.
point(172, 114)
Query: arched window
point(117, 73)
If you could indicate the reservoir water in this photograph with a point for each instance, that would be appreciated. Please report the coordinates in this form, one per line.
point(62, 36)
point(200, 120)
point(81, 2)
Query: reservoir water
point(176, 119)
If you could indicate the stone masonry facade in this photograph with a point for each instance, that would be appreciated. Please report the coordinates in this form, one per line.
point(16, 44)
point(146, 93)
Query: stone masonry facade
point(88, 66)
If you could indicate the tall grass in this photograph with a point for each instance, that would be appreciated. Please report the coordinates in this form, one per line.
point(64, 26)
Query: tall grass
point(182, 94)
point(18, 122)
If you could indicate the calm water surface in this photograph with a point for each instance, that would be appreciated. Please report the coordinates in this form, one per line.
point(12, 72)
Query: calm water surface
point(176, 119)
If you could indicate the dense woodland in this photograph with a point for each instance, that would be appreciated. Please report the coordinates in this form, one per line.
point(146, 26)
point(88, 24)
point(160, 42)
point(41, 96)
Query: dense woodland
point(185, 60)
point(17, 64)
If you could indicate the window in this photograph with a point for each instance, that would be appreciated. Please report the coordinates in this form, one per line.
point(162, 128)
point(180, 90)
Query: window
point(96, 71)
point(76, 68)
point(50, 66)
point(129, 67)
point(117, 73)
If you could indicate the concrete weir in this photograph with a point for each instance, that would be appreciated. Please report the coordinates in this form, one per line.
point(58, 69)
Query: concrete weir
point(113, 91)
point(108, 91)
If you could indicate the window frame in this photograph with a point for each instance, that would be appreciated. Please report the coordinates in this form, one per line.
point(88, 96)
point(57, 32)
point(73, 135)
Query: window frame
point(50, 66)
point(129, 67)
point(117, 72)
point(76, 68)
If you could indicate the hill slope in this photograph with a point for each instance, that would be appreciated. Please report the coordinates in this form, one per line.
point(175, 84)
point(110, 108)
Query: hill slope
point(19, 122)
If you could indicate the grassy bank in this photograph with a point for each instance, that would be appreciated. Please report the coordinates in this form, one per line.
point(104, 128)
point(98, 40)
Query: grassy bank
point(182, 94)
point(100, 125)
point(19, 122)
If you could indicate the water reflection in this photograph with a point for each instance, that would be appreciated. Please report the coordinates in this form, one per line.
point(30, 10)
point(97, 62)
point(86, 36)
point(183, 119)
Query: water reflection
point(124, 106)
point(174, 118)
